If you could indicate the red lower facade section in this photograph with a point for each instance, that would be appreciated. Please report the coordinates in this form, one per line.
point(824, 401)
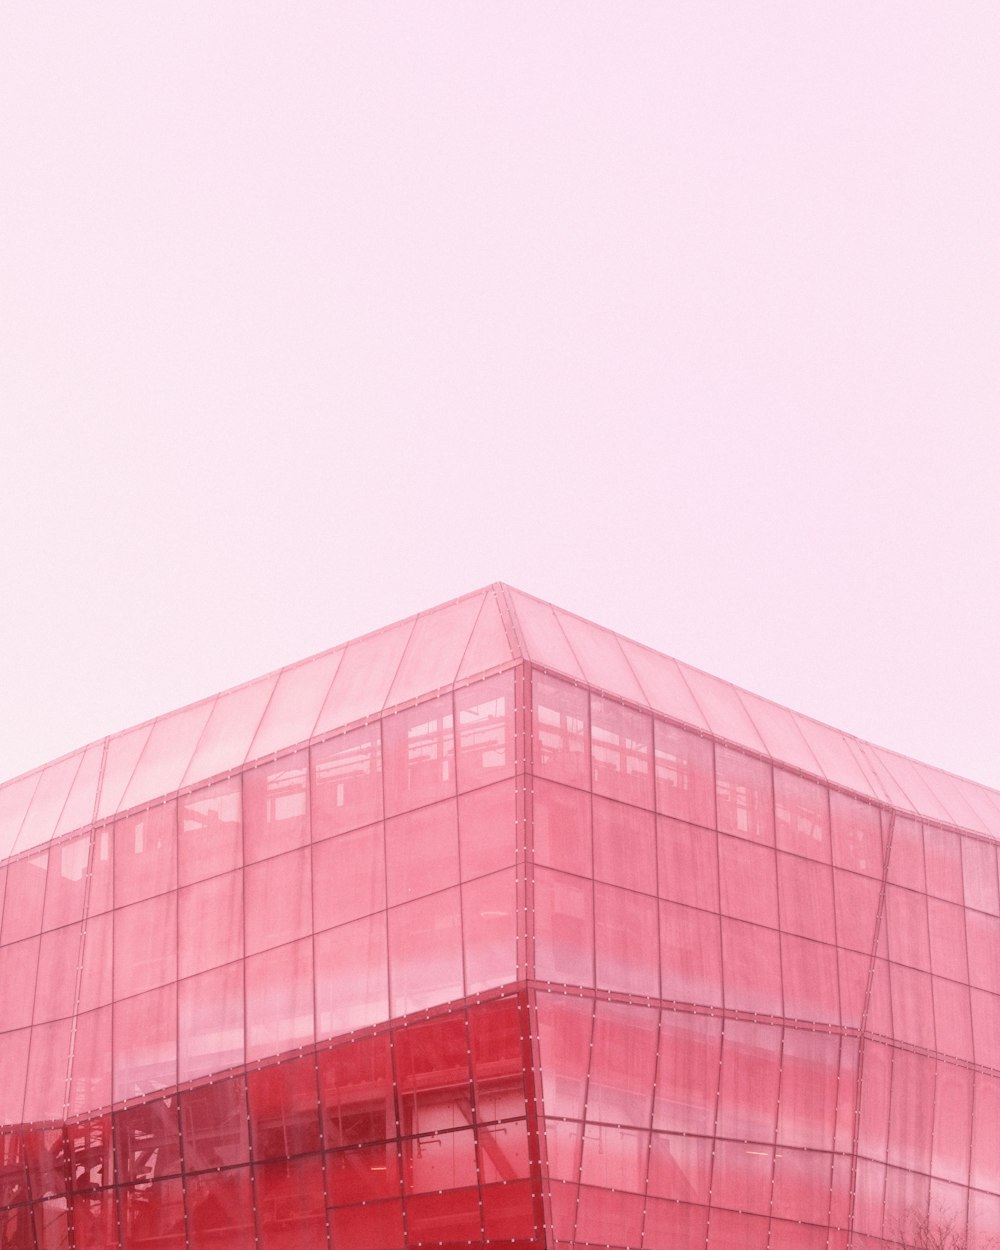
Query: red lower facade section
point(423, 1133)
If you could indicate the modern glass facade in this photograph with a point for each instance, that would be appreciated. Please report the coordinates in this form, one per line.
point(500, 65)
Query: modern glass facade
point(495, 928)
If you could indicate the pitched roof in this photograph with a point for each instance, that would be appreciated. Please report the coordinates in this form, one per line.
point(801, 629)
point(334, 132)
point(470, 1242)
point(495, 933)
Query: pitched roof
point(482, 632)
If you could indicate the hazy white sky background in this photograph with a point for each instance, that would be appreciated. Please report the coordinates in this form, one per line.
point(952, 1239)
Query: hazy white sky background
point(682, 315)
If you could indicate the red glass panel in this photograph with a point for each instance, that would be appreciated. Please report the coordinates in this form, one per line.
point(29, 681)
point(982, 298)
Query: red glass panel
point(805, 898)
point(562, 828)
point(680, 1167)
point(209, 832)
point(622, 1065)
point(419, 755)
point(348, 876)
point(425, 952)
point(220, 1210)
point(347, 782)
point(485, 731)
point(810, 1071)
point(751, 963)
point(906, 927)
point(291, 1204)
point(802, 1180)
point(489, 931)
point(48, 1063)
point(741, 1176)
point(147, 1140)
point(24, 898)
point(802, 816)
point(421, 852)
point(906, 856)
point(364, 1173)
point(561, 731)
point(295, 702)
point(979, 873)
point(433, 1075)
point(952, 1018)
point(857, 834)
point(685, 774)
point(856, 899)
point(946, 923)
point(90, 1079)
point(152, 1216)
point(624, 845)
point(373, 1226)
point(565, 1032)
point(146, 854)
point(210, 923)
point(748, 1088)
point(279, 1000)
point(564, 928)
point(276, 807)
point(621, 750)
point(66, 884)
point(357, 1092)
point(145, 945)
point(214, 1125)
point(943, 858)
point(145, 1043)
point(748, 881)
point(278, 900)
point(688, 867)
point(690, 955)
point(487, 829)
point(18, 966)
point(911, 1113)
point(496, 1034)
point(352, 976)
point(687, 1076)
point(810, 980)
point(626, 941)
point(451, 1217)
point(284, 1109)
point(210, 1015)
point(744, 795)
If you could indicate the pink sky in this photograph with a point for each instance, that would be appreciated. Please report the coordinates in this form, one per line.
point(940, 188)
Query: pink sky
point(683, 316)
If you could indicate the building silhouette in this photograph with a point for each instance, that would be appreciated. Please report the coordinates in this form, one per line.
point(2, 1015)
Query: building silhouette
point(495, 928)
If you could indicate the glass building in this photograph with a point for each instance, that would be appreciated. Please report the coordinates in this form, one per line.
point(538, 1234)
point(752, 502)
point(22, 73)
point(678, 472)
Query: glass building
point(496, 928)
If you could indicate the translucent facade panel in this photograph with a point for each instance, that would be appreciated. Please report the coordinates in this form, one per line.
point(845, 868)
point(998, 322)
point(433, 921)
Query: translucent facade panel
point(348, 877)
point(562, 829)
point(624, 844)
point(560, 731)
point(210, 1022)
point(277, 900)
point(626, 941)
point(600, 655)
point(663, 684)
point(210, 923)
point(544, 640)
point(363, 678)
point(421, 851)
point(24, 898)
point(425, 952)
point(748, 881)
point(621, 752)
point(435, 649)
point(279, 1000)
point(727, 717)
point(166, 755)
point(745, 795)
point(120, 758)
point(294, 705)
point(684, 766)
point(352, 976)
point(225, 740)
point(487, 829)
point(15, 798)
point(489, 931)
point(276, 807)
point(78, 810)
point(687, 864)
point(485, 731)
point(781, 733)
point(346, 782)
point(209, 831)
point(419, 759)
point(564, 927)
point(489, 644)
point(690, 955)
point(145, 854)
point(47, 802)
point(801, 816)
